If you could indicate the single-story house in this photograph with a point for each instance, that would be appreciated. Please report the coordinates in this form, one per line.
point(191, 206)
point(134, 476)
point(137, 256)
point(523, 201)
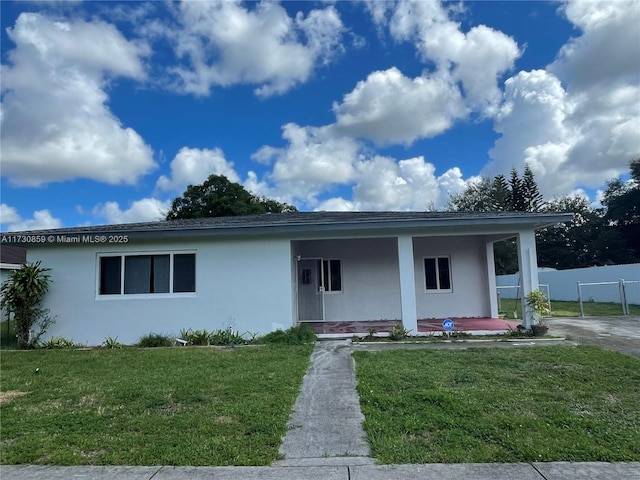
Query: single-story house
point(263, 272)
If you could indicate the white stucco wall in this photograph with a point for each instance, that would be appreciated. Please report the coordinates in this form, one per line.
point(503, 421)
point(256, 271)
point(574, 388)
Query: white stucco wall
point(370, 278)
point(242, 283)
point(470, 292)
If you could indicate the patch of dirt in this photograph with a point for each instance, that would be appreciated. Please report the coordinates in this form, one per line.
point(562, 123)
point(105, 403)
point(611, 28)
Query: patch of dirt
point(88, 400)
point(7, 396)
point(223, 419)
point(94, 453)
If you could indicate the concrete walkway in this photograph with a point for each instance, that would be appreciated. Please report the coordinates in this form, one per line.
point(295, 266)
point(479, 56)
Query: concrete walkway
point(615, 333)
point(325, 427)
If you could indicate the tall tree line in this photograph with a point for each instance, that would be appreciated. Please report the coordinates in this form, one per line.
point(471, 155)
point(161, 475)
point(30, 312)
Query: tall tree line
point(595, 236)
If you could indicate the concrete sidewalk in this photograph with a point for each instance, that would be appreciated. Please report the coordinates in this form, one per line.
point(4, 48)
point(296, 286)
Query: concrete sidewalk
point(436, 471)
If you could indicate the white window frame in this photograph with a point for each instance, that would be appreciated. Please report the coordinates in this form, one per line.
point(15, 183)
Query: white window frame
point(327, 281)
point(123, 255)
point(424, 274)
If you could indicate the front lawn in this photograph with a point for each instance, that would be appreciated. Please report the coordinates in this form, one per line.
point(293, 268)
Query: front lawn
point(500, 405)
point(560, 308)
point(166, 406)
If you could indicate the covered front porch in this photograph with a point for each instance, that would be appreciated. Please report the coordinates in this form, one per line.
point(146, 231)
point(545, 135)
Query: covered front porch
point(346, 286)
point(427, 326)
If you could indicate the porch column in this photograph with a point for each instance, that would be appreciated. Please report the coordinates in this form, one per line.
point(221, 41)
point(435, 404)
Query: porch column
point(528, 264)
point(491, 277)
point(407, 283)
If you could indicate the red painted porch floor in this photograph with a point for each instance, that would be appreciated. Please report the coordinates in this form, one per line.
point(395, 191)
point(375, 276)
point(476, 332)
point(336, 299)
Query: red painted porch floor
point(424, 326)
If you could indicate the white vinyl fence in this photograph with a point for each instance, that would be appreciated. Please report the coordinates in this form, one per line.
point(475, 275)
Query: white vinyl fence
point(621, 285)
point(597, 284)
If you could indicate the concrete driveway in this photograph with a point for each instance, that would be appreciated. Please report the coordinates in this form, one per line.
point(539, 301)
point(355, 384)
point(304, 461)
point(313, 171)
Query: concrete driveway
point(615, 333)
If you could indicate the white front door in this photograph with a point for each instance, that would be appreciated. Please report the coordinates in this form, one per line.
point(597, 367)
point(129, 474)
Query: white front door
point(310, 290)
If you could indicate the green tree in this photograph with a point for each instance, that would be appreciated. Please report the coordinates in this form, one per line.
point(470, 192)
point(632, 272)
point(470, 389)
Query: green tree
point(518, 203)
point(21, 294)
point(610, 235)
point(622, 201)
point(501, 195)
point(531, 197)
point(477, 197)
point(568, 245)
point(588, 239)
point(219, 197)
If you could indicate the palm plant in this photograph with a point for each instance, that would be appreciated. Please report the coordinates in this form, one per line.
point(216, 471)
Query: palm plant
point(21, 295)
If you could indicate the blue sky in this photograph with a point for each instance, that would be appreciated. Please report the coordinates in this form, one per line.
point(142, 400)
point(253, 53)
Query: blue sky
point(110, 109)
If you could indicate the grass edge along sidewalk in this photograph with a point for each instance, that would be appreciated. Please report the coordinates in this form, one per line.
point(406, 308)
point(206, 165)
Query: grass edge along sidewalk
point(541, 404)
point(170, 406)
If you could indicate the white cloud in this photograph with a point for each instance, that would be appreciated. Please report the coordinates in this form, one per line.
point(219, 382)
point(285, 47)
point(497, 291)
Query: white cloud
point(576, 123)
point(42, 220)
point(314, 159)
point(192, 166)
point(384, 183)
point(55, 122)
point(388, 107)
point(531, 119)
point(261, 188)
point(144, 210)
point(226, 43)
point(476, 58)
point(8, 214)
point(607, 50)
point(311, 166)
point(483, 57)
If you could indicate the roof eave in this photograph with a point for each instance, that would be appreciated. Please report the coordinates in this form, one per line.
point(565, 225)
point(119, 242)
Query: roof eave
point(531, 220)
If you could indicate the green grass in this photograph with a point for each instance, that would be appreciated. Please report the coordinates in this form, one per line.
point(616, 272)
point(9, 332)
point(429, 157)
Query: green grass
point(500, 405)
point(169, 406)
point(571, 309)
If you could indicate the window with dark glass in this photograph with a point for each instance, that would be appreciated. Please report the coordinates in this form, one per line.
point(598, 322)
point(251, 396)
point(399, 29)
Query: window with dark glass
point(110, 275)
point(331, 278)
point(184, 272)
point(437, 273)
point(147, 274)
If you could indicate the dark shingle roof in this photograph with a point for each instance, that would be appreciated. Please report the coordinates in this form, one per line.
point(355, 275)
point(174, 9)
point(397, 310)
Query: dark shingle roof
point(282, 223)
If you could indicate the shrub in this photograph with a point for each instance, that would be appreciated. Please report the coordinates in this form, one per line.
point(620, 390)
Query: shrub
point(398, 332)
point(155, 340)
point(112, 343)
point(298, 335)
point(221, 336)
point(226, 336)
point(22, 294)
point(59, 342)
point(196, 337)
